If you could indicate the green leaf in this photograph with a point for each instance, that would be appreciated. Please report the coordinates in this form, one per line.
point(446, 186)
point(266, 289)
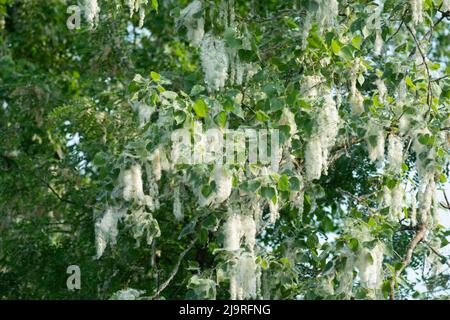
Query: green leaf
point(197, 89)
point(262, 116)
point(221, 119)
point(250, 186)
point(426, 139)
point(372, 223)
point(291, 23)
point(264, 264)
point(356, 42)
point(353, 244)
point(294, 184)
point(410, 83)
point(335, 46)
point(155, 5)
point(276, 104)
point(268, 193)
point(328, 267)
point(247, 55)
point(200, 108)
point(188, 228)
point(283, 183)
point(285, 261)
point(100, 159)
point(207, 190)
point(231, 39)
point(203, 236)
point(346, 53)
point(155, 76)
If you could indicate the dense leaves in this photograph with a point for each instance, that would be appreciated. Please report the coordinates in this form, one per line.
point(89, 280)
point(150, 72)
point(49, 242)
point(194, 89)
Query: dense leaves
point(357, 91)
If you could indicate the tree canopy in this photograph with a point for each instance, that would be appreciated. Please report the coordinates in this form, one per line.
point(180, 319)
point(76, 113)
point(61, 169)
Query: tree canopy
point(112, 116)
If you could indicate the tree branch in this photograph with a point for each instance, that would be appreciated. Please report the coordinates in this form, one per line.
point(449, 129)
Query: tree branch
point(419, 236)
point(429, 91)
point(175, 269)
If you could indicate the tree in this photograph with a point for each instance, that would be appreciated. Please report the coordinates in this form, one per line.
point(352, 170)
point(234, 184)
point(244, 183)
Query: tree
point(111, 134)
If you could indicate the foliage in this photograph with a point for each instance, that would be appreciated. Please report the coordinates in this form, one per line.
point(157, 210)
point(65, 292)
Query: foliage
point(358, 91)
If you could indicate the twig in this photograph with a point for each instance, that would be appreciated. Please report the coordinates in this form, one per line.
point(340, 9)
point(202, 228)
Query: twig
point(360, 200)
point(437, 253)
point(419, 48)
point(446, 200)
point(175, 269)
point(440, 78)
point(399, 27)
point(55, 193)
point(420, 234)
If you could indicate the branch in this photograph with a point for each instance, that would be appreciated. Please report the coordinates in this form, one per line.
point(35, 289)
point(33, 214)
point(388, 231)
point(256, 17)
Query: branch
point(446, 200)
point(360, 200)
point(440, 78)
point(175, 269)
point(437, 253)
point(419, 236)
point(54, 192)
point(429, 91)
point(399, 27)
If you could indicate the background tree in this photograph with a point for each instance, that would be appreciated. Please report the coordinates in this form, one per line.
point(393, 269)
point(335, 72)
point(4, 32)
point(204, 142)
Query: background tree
point(358, 90)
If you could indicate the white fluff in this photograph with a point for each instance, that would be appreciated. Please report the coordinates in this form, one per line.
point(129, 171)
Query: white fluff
point(151, 200)
point(91, 11)
point(132, 183)
point(305, 30)
point(106, 229)
point(416, 11)
point(413, 210)
point(378, 46)
point(143, 225)
point(370, 272)
point(313, 159)
point(224, 183)
point(310, 86)
point(319, 146)
point(397, 202)
point(387, 197)
point(402, 93)
point(288, 118)
point(233, 285)
point(144, 113)
point(246, 277)
point(426, 195)
point(375, 141)
point(395, 153)
point(274, 211)
point(214, 61)
point(127, 294)
point(195, 26)
point(177, 205)
point(248, 230)
point(159, 162)
point(382, 90)
point(345, 277)
point(327, 14)
point(137, 6)
point(136, 172)
point(424, 154)
point(404, 125)
point(328, 124)
point(357, 102)
point(445, 6)
point(232, 233)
